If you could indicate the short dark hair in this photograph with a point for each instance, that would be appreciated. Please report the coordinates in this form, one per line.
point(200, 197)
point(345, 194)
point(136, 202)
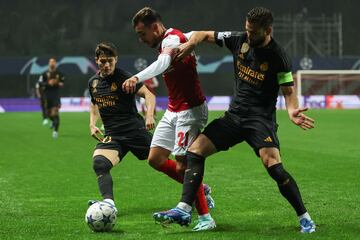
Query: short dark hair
point(147, 16)
point(106, 48)
point(261, 16)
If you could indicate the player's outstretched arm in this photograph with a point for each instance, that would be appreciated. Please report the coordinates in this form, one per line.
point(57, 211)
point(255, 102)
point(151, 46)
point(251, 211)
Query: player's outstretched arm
point(94, 116)
point(150, 106)
point(156, 68)
point(195, 38)
point(295, 113)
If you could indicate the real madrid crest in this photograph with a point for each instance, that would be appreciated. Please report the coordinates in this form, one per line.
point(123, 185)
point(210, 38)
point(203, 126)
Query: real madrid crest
point(244, 47)
point(94, 84)
point(113, 87)
point(264, 67)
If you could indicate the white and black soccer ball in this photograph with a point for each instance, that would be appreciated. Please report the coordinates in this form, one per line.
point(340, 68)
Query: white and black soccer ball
point(101, 217)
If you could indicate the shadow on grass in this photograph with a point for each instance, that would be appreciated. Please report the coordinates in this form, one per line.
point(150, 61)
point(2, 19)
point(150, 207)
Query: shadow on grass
point(246, 230)
point(114, 232)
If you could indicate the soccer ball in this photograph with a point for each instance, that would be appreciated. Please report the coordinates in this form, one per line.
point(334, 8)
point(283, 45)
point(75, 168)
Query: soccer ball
point(101, 217)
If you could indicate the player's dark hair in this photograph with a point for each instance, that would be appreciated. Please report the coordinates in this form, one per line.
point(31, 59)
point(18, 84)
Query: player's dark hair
point(147, 16)
point(107, 49)
point(261, 16)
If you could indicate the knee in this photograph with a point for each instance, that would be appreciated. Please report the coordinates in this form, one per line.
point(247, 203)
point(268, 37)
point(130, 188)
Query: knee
point(202, 146)
point(101, 164)
point(156, 161)
point(269, 159)
point(279, 174)
point(195, 149)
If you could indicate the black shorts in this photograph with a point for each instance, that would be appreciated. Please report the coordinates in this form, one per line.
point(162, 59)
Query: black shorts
point(257, 131)
point(138, 144)
point(51, 102)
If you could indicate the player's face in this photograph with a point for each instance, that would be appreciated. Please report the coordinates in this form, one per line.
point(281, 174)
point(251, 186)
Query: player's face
point(256, 34)
point(52, 64)
point(148, 34)
point(106, 65)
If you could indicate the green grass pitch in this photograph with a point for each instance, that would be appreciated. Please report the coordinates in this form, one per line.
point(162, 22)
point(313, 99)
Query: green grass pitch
point(45, 183)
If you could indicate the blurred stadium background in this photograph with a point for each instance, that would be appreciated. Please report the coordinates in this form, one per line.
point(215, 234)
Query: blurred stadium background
point(45, 183)
point(317, 36)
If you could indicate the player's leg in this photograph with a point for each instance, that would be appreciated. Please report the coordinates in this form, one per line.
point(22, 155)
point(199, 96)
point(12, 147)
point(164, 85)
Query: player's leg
point(49, 105)
point(193, 175)
point(219, 135)
point(263, 138)
point(159, 160)
point(103, 162)
point(192, 182)
point(188, 126)
point(44, 111)
point(166, 134)
point(287, 186)
point(56, 120)
point(157, 156)
point(187, 130)
point(56, 115)
point(162, 145)
point(203, 201)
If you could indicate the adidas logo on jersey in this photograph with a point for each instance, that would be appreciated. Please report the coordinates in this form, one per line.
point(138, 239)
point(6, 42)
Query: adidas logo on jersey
point(268, 139)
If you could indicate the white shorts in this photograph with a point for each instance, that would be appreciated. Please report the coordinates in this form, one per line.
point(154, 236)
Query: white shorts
point(176, 131)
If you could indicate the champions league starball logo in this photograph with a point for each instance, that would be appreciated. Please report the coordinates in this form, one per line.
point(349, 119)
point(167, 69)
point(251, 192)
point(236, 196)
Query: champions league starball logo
point(140, 64)
point(306, 63)
point(82, 63)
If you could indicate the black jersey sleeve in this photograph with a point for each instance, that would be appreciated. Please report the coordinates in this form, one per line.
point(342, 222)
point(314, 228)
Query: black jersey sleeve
point(284, 75)
point(230, 39)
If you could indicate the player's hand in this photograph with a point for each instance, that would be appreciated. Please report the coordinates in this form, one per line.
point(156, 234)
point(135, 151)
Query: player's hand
point(96, 133)
point(184, 50)
point(300, 119)
point(150, 123)
point(129, 86)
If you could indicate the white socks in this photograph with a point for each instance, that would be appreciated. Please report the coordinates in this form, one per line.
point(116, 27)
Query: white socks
point(109, 200)
point(184, 206)
point(305, 215)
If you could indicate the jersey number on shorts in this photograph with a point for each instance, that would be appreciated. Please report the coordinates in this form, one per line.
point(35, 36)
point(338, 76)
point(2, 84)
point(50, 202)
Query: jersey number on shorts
point(183, 139)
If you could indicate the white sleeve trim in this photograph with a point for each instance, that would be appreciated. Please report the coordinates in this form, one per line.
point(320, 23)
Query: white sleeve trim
point(188, 35)
point(156, 68)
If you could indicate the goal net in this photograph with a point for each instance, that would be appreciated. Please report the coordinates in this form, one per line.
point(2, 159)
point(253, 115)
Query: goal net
point(328, 82)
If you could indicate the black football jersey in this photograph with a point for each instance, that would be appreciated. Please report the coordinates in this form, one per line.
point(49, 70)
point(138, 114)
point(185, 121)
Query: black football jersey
point(259, 72)
point(117, 108)
point(51, 91)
